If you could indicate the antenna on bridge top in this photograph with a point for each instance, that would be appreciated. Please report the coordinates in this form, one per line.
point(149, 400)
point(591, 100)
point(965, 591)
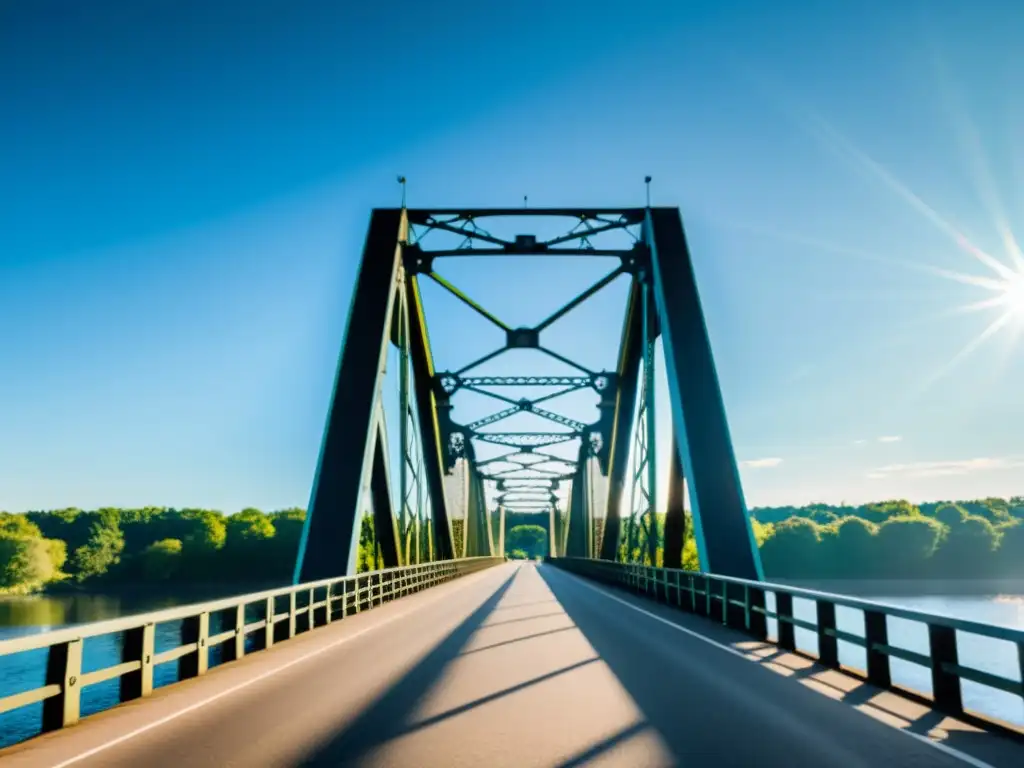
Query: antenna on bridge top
point(401, 180)
point(524, 202)
point(647, 182)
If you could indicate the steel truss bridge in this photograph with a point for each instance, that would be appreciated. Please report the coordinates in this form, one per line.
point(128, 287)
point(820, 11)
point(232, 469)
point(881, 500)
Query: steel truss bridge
point(433, 650)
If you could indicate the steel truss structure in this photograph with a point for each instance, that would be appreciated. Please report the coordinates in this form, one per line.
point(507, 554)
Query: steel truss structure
point(608, 458)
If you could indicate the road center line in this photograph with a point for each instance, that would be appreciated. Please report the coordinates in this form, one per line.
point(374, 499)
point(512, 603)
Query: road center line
point(955, 753)
point(252, 680)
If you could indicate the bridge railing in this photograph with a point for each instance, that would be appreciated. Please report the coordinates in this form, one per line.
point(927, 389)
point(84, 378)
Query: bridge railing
point(740, 604)
point(267, 617)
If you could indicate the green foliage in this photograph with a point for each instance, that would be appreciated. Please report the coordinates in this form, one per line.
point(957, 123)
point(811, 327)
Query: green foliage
point(896, 539)
point(162, 559)
point(25, 562)
point(99, 553)
point(18, 527)
point(981, 538)
point(531, 539)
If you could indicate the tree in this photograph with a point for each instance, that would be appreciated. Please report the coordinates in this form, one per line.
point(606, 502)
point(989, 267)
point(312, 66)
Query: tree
point(25, 562)
point(102, 551)
point(906, 545)
point(532, 539)
point(950, 514)
point(162, 559)
point(1010, 555)
point(18, 526)
point(791, 552)
point(855, 547)
point(967, 549)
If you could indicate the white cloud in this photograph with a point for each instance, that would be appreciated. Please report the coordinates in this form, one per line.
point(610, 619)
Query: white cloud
point(945, 468)
point(859, 442)
point(890, 439)
point(761, 463)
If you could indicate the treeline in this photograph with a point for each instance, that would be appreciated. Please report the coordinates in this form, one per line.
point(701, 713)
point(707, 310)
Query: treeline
point(113, 546)
point(976, 539)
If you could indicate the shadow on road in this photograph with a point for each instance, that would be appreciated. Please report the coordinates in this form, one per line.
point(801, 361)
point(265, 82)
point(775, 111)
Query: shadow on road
point(390, 716)
point(807, 690)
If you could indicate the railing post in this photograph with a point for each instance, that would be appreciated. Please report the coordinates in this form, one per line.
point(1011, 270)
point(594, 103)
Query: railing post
point(328, 605)
point(268, 630)
point(784, 610)
point(291, 614)
point(828, 645)
point(138, 646)
point(194, 629)
point(757, 621)
point(63, 668)
point(310, 611)
point(239, 644)
point(1020, 666)
point(876, 633)
point(344, 598)
point(945, 684)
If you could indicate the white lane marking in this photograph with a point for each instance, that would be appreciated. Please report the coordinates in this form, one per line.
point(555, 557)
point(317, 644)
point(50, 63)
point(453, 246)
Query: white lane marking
point(269, 673)
point(969, 759)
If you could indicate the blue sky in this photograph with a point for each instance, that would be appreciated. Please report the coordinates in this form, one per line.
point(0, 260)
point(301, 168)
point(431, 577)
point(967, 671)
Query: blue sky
point(186, 188)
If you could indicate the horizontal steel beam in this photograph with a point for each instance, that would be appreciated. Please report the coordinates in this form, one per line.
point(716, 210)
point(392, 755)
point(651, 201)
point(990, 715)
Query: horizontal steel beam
point(538, 250)
point(423, 215)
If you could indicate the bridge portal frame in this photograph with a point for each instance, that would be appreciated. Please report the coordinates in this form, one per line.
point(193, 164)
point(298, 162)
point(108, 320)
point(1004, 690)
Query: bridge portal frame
point(663, 300)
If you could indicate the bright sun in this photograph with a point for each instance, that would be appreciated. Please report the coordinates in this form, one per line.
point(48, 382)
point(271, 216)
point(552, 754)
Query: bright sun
point(1015, 295)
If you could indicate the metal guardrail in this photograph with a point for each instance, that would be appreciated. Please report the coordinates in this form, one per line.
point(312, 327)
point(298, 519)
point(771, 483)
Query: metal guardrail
point(315, 603)
point(740, 604)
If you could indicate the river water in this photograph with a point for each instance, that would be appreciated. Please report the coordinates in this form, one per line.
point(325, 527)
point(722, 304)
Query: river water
point(21, 616)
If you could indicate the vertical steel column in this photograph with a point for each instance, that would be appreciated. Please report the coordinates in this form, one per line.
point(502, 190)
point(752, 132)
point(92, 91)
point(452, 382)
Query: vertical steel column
point(649, 426)
point(630, 355)
point(384, 518)
point(479, 542)
point(675, 513)
point(330, 535)
point(501, 531)
point(406, 526)
point(722, 528)
point(554, 533)
point(578, 534)
point(430, 428)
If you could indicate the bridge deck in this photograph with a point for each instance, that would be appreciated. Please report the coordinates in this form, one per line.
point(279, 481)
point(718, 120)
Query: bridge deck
point(518, 666)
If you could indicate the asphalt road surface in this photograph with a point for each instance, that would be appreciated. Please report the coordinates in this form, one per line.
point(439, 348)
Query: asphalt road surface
point(520, 665)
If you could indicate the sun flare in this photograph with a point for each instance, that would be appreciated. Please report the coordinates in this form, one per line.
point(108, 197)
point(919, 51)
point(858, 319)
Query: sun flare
point(1015, 295)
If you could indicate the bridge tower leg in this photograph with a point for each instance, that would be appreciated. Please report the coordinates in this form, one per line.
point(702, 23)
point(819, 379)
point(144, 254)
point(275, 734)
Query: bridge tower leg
point(352, 471)
point(675, 514)
point(580, 520)
point(479, 541)
point(630, 357)
point(499, 550)
point(722, 528)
